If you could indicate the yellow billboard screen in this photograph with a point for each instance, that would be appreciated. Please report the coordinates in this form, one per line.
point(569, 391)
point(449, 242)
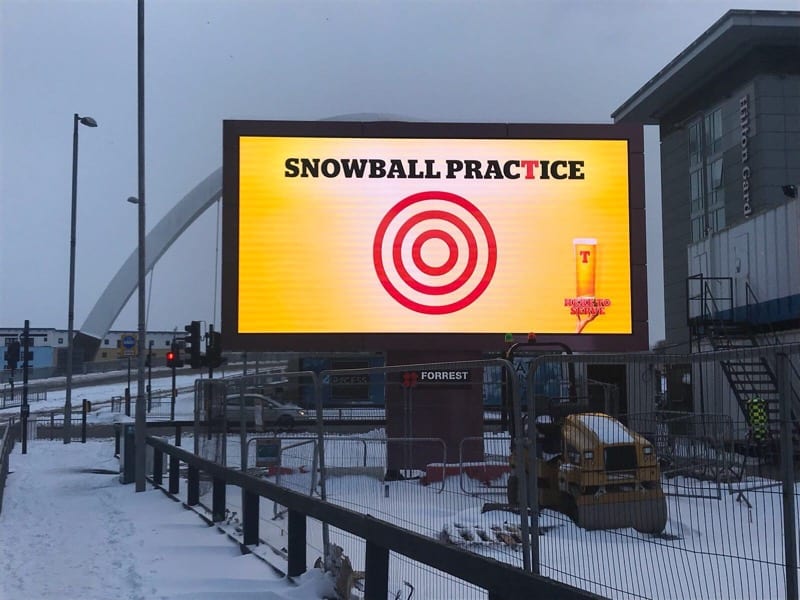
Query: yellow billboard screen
point(412, 235)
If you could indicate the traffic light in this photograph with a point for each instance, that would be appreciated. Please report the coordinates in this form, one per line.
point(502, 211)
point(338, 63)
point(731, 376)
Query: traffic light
point(12, 355)
point(214, 349)
point(193, 345)
point(173, 355)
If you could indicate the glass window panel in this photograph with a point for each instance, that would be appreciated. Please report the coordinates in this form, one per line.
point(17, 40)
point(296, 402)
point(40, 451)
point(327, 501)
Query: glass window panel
point(696, 191)
point(719, 219)
point(718, 125)
point(713, 126)
point(694, 143)
point(698, 228)
point(715, 172)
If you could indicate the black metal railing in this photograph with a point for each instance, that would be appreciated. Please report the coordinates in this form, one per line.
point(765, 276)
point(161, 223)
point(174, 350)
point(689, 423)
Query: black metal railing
point(7, 440)
point(709, 299)
point(500, 579)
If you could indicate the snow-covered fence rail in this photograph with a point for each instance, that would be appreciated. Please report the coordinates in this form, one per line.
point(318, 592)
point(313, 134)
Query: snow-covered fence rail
point(381, 538)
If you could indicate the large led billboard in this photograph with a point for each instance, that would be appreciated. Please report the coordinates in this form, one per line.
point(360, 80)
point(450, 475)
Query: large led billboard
point(369, 235)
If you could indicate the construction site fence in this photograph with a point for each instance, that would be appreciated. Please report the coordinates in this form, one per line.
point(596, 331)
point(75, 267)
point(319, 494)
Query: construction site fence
point(728, 473)
point(730, 495)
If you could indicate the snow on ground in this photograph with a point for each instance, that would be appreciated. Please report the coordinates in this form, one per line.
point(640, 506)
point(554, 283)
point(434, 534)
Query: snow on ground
point(70, 530)
point(98, 393)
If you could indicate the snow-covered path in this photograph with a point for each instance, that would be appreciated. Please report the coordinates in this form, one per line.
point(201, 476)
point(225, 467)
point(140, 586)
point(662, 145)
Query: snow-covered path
point(70, 530)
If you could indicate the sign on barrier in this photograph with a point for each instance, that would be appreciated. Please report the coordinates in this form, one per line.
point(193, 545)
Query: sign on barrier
point(268, 452)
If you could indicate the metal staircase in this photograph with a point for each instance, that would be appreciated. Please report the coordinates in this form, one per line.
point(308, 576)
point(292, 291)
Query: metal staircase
point(749, 374)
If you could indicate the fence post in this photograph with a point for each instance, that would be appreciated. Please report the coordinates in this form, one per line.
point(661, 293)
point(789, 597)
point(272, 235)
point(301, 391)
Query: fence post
point(297, 543)
point(193, 483)
point(174, 474)
point(250, 504)
point(158, 466)
point(376, 569)
point(83, 420)
point(218, 500)
point(787, 473)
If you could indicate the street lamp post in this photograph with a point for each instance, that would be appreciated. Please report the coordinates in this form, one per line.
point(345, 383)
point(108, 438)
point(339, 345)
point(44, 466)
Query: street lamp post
point(141, 417)
point(89, 122)
point(140, 414)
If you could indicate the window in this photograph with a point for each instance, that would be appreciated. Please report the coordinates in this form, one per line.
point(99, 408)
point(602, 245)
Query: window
point(713, 127)
point(716, 195)
point(104, 354)
point(716, 218)
point(696, 191)
point(694, 143)
point(706, 190)
point(105, 342)
point(60, 340)
point(698, 228)
point(715, 174)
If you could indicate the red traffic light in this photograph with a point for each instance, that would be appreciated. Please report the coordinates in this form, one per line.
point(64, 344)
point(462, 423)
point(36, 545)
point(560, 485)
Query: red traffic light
point(170, 356)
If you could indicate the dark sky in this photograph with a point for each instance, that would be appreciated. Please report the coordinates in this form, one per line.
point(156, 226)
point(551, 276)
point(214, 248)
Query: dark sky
point(209, 60)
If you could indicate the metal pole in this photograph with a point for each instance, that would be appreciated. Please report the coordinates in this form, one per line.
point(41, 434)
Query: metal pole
point(140, 420)
point(71, 301)
point(323, 494)
point(150, 376)
point(787, 473)
point(83, 420)
point(174, 391)
point(26, 344)
point(128, 391)
point(89, 122)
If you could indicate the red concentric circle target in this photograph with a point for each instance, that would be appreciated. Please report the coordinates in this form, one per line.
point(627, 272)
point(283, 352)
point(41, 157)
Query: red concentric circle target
point(435, 287)
point(452, 249)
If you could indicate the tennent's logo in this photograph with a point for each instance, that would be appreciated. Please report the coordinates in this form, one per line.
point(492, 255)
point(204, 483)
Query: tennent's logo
point(586, 306)
point(434, 252)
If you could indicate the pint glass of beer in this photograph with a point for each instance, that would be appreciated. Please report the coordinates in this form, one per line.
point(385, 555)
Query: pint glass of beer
point(585, 260)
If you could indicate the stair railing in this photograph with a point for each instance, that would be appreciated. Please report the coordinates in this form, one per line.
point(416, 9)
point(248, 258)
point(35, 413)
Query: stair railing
point(753, 306)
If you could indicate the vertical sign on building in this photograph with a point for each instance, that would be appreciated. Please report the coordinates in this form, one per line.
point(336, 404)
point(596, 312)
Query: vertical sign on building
point(744, 127)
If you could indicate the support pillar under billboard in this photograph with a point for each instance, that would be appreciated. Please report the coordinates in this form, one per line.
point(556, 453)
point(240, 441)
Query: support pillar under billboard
point(443, 403)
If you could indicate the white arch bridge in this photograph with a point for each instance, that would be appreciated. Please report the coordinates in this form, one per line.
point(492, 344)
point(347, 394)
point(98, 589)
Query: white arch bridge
point(122, 285)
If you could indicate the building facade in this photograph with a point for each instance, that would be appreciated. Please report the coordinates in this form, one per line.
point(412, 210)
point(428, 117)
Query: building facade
point(48, 348)
point(728, 111)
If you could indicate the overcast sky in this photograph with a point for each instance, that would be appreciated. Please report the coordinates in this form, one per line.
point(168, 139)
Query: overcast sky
point(209, 60)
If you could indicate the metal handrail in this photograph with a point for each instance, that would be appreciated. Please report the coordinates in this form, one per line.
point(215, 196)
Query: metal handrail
point(6, 446)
